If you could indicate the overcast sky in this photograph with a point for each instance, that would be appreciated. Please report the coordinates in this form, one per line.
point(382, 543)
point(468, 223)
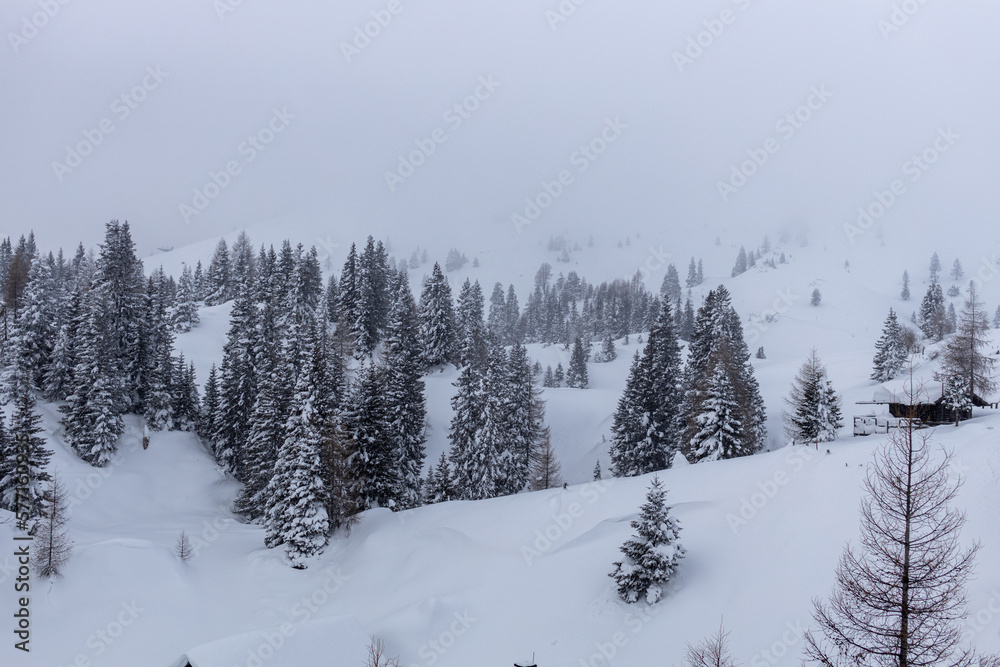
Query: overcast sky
point(184, 85)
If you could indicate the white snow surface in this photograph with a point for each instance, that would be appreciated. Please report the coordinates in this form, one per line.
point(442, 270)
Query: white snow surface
point(487, 583)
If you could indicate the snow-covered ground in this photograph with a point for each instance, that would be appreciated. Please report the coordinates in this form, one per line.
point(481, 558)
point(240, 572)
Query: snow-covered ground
point(491, 582)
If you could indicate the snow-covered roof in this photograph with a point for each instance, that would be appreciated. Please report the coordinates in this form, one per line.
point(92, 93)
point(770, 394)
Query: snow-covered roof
point(324, 642)
point(905, 391)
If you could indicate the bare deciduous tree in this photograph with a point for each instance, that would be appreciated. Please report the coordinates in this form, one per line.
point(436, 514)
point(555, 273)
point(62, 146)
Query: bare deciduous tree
point(545, 469)
point(711, 652)
point(183, 547)
point(900, 596)
point(377, 655)
point(52, 543)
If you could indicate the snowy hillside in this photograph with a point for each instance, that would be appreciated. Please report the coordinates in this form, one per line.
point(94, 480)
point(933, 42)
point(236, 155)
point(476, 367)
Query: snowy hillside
point(488, 582)
point(476, 583)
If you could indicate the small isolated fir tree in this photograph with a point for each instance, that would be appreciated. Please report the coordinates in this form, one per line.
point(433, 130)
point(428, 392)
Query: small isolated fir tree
point(558, 376)
point(890, 354)
point(440, 484)
point(760, 353)
point(935, 268)
point(815, 407)
point(548, 380)
point(183, 547)
point(607, 352)
point(905, 294)
point(576, 376)
point(546, 472)
point(816, 297)
point(956, 270)
point(597, 470)
point(653, 554)
point(52, 545)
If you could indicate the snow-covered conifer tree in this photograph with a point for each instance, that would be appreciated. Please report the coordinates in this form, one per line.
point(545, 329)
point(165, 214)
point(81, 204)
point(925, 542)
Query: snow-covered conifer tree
point(437, 320)
point(576, 374)
point(890, 355)
point(404, 392)
point(653, 554)
point(814, 406)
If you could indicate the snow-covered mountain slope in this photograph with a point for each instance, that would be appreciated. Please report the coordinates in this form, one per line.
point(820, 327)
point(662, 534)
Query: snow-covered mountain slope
point(471, 583)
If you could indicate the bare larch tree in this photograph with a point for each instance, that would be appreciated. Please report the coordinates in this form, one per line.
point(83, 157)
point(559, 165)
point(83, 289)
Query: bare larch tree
point(900, 596)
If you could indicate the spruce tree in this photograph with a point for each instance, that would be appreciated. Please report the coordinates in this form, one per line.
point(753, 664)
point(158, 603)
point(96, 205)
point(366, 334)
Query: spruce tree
point(158, 364)
point(218, 288)
point(237, 383)
point(186, 315)
point(367, 422)
point(597, 471)
point(440, 486)
point(644, 431)
point(692, 277)
point(933, 315)
point(890, 355)
point(524, 430)
point(93, 410)
point(437, 320)
point(996, 319)
point(905, 294)
point(670, 289)
point(576, 375)
point(653, 554)
point(956, 270)
point(30, 456)
point(722, 413)
point(482, 474)
point(965, 367)
point(210, 406)
point(608, 352)
point(297, 514)
point(558, 376)
point(935, 268)
point(814, 406)
point(404, 392)
point(741, 263)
